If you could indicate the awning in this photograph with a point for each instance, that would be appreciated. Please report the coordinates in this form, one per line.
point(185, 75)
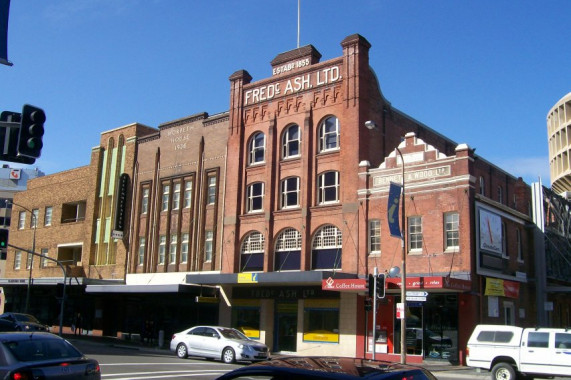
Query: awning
point(166, 288)
point(268, 278)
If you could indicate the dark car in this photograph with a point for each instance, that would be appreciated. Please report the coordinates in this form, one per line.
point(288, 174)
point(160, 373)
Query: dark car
point(42, 355)
point(20, 322)
point(328, 368)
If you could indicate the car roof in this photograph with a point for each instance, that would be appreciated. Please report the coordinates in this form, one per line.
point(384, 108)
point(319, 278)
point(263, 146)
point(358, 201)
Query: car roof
point(327, 367)
point(22, 335)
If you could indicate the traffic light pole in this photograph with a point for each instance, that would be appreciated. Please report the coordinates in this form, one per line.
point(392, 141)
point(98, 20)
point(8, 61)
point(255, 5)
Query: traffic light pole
point(375, 273)
point(64, 280)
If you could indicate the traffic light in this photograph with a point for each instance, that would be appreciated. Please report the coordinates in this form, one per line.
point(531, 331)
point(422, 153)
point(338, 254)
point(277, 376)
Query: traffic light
point(371, 286)
point(31, 131)
point(3, 238)
point(368, 304)
point(381, 285)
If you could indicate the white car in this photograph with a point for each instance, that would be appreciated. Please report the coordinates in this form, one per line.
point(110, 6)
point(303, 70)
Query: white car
point(218, 342)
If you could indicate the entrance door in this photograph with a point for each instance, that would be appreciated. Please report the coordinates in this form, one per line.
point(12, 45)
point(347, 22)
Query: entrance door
point(285, 335)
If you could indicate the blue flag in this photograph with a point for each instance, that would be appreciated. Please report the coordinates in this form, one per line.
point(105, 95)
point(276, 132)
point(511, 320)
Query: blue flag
point(4, 10)
point(393, 209)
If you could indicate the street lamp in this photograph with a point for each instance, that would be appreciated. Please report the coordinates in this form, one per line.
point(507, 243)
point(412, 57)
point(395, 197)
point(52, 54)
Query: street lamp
point(35, 221)
point(403, 275)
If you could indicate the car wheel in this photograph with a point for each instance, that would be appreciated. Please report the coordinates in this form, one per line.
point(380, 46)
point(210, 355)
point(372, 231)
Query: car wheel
point(181, 351)
point(503, 371)
point(228, 355)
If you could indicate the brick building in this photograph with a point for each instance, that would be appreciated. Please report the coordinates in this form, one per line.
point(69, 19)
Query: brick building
point(270, 217)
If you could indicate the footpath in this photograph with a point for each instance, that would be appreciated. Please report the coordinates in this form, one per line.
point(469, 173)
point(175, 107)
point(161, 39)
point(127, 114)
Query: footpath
point(442, 370)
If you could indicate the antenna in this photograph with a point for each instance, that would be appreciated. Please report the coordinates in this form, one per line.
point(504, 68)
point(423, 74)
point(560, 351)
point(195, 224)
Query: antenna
point(298, 7)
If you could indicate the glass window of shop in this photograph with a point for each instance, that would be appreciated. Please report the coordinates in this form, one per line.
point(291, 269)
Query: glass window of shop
point(431, 328)
point(321, 321)
point(247, 320)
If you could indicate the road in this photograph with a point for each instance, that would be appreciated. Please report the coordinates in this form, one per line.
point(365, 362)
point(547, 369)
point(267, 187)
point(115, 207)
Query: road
point(122, 362)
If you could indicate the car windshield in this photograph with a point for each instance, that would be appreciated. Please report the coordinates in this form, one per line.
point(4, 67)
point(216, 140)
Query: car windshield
point(25, 318)
point(232, 334)
point(41, 349)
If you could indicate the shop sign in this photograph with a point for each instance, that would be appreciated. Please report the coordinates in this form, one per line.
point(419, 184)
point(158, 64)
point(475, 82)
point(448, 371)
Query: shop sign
point(499, 287)
point(344, 285)
point(247, 278)
point(432, 282)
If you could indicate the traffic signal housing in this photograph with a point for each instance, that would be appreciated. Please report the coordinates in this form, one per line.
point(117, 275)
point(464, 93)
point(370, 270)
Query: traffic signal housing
point(380, 285)
point(31, 131)
point(3, 238)
point(371, 285)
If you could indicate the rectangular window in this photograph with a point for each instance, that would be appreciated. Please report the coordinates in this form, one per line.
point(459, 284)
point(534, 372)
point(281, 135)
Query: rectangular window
point(208, 244)
point(162, 249)
point(184, 248)
point(176, 197)
point(18, 260)
point(48, 216)
point(35, 216)
point(165, 198)
point(320, 323)
point(290, 192)
point(375, 236)
point(29, 261)
point(187, 194)
point(255, 197)
point(538, 339)
point(44, 262)
point(451, 221)
point(21, 220)
point(172, 250)
point(141, 251)
point(328, 185)
point(211, 189)
point(145, 201)
point(415, 233)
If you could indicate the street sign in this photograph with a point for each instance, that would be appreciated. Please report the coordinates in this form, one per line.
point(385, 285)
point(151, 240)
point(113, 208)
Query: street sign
point(117, 234)
point(415, 298)
point(416, 294)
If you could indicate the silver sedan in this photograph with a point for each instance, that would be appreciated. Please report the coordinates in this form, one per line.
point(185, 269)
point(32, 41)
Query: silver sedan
point(218, 342)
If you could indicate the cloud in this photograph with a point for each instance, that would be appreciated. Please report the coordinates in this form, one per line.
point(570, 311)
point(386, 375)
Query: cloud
point(528, 168)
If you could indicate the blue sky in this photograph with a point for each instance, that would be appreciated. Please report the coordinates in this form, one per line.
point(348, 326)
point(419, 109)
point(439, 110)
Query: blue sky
point(481, 72)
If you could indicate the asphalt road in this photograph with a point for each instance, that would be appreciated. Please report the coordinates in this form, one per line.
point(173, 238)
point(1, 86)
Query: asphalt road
point(122, 362)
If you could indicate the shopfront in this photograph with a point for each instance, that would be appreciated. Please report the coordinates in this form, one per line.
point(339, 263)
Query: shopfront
point(434, 317)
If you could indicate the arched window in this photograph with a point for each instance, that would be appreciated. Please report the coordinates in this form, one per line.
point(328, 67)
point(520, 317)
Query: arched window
point(291, 142)
point(329, 133)
point(252, 253)
point(288, 250)
point(257, 148)
point(326, 248)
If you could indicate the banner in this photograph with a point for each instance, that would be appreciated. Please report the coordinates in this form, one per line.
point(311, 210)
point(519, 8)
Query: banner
point(4, 11)
point(393, 209)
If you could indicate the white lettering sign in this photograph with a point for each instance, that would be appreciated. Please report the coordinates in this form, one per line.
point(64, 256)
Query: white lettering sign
point(300, 83)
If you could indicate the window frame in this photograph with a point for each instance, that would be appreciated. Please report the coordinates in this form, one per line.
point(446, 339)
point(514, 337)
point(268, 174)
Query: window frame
point(172, 248)
point(184, 247)
point(257, 147)
point(252, 245)
point(326, 135)
point(323, 188)
point(451, 228)
point(285, 193)
point(208, 245)
point(162, 249)
point(145, 200)
point(187, 202)
point(176, 196)
point(374, 232)
point(288, 142)
point(21, 220)
point(165, 197)
point(254, 195)
point(141, 250)
point(414, 230)
point(212, 183)
point(327, 238)
point(48, 216)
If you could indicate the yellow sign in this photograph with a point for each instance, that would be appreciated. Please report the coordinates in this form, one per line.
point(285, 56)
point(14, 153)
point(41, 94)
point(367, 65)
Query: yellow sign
point(494, 287)
point(247, 278)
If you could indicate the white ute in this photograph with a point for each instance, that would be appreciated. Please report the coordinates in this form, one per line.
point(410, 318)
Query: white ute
point(510, 351)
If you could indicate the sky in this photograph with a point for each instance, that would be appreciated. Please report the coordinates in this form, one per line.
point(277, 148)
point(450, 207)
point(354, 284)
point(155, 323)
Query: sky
point(480, 72)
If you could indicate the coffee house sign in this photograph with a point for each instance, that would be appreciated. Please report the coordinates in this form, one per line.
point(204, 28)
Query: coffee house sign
point(323, 77)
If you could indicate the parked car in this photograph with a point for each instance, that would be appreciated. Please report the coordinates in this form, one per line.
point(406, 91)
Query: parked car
point(328, 368)
point(218, 342)
point(511, 352)
point(21, 322)
point(42, 355)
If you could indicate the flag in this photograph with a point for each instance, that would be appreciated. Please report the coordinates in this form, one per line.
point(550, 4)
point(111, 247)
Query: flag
point(4, 10)
point(393, 209)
